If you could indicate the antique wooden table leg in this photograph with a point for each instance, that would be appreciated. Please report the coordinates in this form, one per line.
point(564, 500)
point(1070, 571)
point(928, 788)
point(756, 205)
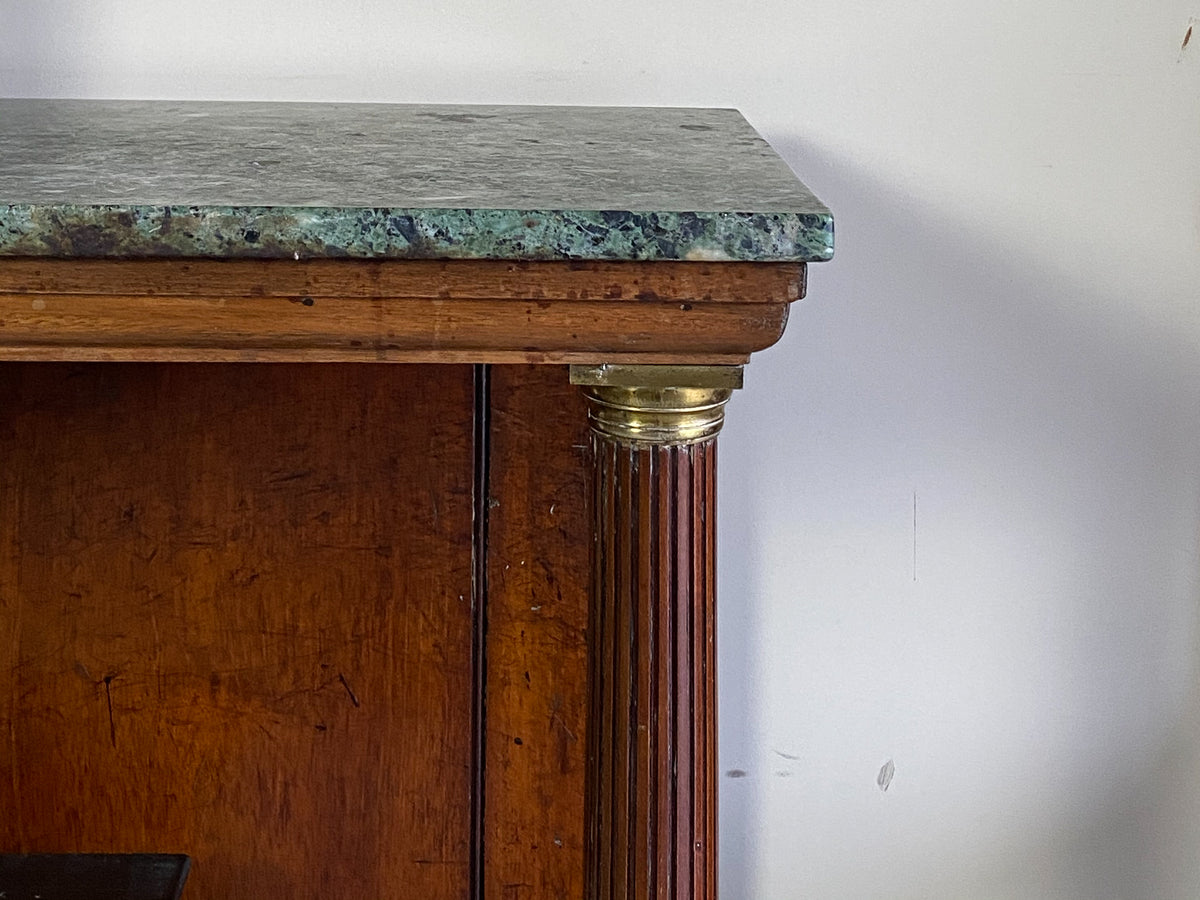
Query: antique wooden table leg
point(652, 782)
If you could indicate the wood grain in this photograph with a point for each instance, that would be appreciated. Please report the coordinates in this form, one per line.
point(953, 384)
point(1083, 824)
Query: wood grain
point(397, 311)
point(735, 282)
point(651, 791)
point(235, 621)
point(539, 529)
point(380, 330)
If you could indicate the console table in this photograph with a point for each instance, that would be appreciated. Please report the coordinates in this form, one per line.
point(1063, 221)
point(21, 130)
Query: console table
point(439, 630)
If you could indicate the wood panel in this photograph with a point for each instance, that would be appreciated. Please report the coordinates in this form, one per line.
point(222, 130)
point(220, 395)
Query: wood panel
point(235, 621)
point(397, 311)
point(539, 530)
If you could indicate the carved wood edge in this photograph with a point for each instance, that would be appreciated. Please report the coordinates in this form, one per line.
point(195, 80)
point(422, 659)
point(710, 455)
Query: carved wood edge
point(465, 311)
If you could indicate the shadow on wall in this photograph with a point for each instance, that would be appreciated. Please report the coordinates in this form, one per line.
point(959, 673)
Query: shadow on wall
point(1033, 668)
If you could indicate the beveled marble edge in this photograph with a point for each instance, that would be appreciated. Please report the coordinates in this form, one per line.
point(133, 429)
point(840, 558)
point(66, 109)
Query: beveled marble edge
point(127, 231)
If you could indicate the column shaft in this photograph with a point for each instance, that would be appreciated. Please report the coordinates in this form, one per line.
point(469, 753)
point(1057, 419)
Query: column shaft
point(652, 799)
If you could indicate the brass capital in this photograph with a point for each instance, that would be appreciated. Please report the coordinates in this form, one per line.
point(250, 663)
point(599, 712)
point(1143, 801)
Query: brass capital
point(657, 404)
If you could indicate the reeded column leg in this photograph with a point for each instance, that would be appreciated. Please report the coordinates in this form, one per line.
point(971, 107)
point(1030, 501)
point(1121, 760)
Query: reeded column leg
point(652, 731)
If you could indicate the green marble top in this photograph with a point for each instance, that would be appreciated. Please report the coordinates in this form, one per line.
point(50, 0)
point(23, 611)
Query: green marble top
point(140, 178)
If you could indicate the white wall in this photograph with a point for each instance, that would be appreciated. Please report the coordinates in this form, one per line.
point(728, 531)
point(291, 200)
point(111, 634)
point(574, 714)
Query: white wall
point(1008, 335)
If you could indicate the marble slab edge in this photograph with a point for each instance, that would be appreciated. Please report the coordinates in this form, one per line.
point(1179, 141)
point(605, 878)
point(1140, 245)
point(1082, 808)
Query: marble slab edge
point(131, 231)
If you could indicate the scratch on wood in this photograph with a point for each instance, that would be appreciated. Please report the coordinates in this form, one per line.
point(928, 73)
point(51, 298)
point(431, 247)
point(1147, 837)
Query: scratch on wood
point(283, 477)
point(112, 723)
point(346, 685)
point(555, 717)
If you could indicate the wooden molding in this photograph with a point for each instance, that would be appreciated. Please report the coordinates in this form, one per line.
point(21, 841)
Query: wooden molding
point(393, 311)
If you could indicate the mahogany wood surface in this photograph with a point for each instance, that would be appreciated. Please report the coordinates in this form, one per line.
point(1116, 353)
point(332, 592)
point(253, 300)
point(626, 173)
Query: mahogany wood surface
point(539, 537)
point(235, 622)
point(393, 311)
point(468, 279)
point(651, 793)
point(255, 614)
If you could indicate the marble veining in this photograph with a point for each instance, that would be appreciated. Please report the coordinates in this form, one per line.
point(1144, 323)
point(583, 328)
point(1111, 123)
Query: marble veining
point(153, 178)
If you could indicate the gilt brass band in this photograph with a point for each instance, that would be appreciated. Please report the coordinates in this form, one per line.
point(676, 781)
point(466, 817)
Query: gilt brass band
point(657, 405)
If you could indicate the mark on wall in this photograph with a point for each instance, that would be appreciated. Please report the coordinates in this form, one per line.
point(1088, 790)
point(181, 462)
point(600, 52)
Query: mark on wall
point(1187, 38)
point(914, 536)
point(736, 773)
point(886, 773)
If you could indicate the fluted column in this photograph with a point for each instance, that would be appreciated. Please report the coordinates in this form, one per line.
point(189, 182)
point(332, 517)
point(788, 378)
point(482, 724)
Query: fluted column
point(652, 731)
